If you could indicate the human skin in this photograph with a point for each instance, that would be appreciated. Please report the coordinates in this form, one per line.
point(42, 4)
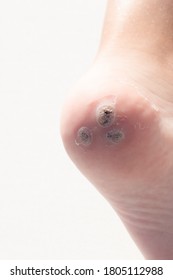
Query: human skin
point(130, 160)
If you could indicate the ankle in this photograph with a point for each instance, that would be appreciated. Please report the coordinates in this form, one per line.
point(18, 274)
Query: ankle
point(142, 25)
point(141, 69)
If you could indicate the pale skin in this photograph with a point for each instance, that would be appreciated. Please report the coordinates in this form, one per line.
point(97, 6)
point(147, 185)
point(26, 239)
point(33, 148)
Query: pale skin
point(130, 160)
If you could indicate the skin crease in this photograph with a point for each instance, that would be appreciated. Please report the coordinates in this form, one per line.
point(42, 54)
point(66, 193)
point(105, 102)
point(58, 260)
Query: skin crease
point(132, 73)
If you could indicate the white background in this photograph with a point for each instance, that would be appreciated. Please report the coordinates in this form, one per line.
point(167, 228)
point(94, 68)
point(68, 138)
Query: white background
point(48, 210)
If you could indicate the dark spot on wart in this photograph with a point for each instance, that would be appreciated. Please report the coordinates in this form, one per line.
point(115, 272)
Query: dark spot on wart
point(84, 136)
point(115, 136)
point(105, 116)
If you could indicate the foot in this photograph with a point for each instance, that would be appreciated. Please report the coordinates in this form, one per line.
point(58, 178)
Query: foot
point(117, 125)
